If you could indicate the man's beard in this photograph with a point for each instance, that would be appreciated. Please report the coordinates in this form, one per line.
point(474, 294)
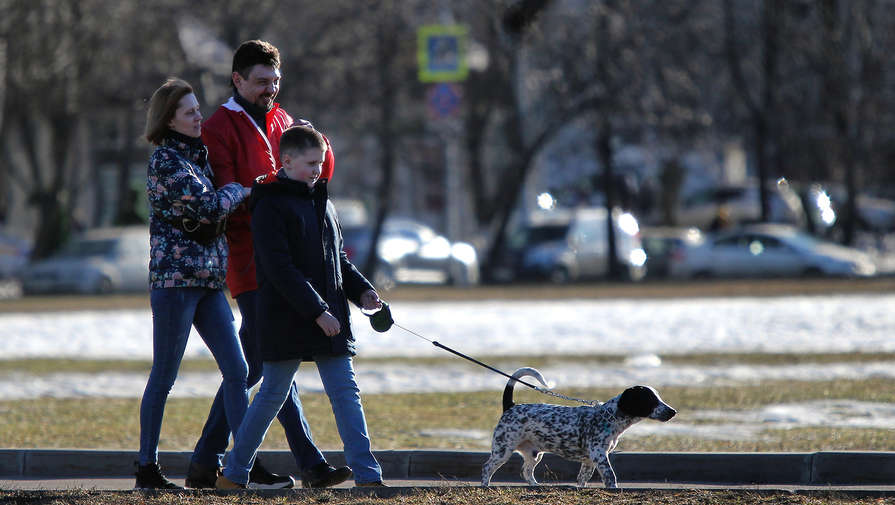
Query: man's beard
point(265, 102)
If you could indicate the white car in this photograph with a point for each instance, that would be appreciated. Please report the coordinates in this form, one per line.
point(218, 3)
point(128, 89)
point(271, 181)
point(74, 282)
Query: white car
point(101, 260)
point(412, 253)
point(565, 245)
point(774, 250)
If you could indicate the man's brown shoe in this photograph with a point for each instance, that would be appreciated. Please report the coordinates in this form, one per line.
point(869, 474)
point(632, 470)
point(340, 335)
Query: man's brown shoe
point(225, 483)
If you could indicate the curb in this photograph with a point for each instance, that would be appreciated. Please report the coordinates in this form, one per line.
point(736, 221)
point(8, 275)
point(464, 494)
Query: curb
point(804, 469)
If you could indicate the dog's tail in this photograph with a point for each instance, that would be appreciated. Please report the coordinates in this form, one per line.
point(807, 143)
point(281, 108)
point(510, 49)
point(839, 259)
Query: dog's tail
point(522, 372)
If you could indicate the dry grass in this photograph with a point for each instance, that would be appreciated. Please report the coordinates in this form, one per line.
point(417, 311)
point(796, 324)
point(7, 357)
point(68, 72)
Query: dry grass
point(438, 496)
point(415, 421)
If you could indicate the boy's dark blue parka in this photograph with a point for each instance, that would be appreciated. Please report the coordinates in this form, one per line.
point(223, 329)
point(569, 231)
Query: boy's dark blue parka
point(301, 269)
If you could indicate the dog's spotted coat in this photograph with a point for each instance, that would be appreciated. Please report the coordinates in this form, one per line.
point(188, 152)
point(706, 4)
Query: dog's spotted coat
point(586, 434)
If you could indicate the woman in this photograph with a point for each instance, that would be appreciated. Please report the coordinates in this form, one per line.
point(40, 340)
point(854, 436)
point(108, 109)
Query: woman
point(188, 262)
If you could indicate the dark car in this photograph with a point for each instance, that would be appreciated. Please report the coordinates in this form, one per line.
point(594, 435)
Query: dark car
point(667, 249)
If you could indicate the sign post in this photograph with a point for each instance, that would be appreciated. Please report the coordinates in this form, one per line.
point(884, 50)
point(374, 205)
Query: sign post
point(441, 55)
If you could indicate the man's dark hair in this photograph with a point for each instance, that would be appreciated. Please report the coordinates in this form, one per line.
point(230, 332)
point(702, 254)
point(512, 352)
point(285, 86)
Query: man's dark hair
point(299, 138)
point(254, 52)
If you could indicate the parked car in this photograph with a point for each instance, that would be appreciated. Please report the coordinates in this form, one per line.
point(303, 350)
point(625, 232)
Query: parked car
point(101, 260)
point(14, 253)
point(565, 245)
point(667, 248)
point(410, 252)
point(774, 250)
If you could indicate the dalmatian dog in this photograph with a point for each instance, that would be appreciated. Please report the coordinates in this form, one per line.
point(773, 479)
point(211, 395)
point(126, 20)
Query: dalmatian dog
point(584, 434)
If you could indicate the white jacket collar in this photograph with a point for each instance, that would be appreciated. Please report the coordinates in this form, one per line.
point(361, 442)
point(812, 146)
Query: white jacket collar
point(231, 104)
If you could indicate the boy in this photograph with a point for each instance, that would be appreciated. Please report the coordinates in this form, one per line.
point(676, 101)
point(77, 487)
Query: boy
point(304, 283)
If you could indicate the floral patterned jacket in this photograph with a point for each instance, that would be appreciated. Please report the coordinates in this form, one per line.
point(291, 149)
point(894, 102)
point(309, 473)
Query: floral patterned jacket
point(179, 184)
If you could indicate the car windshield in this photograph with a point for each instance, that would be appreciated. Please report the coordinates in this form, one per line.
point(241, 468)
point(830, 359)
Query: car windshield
point(804, 241)
point(546, 233)
point(87, 247)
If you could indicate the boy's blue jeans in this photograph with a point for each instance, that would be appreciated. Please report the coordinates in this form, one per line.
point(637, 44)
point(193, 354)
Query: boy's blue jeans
point(209, 450)
point(174, 311)
point(337, 375)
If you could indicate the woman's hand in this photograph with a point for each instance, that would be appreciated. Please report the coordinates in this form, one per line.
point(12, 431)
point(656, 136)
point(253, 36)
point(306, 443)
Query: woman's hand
point(329, 324)
point(369, 300)
point(246, 191)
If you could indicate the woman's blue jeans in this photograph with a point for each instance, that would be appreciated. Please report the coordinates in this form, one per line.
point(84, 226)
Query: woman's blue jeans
point(174, 311)
point(340, 384)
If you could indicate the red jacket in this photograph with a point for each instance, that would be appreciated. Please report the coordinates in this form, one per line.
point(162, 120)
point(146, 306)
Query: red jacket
point(239, 151)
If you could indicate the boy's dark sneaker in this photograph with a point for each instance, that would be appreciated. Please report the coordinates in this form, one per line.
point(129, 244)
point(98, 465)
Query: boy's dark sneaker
point(377, 483)
point(324, 475)
point(260, 478)
point(150, 477)
point(199, 476)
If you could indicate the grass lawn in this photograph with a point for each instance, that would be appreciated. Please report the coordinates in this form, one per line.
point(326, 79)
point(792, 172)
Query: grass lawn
point(443, 420)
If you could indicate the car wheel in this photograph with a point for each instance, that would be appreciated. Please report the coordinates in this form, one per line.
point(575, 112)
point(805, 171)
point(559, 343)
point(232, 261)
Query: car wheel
point(702, 274)
point(559, 275)
point(103, 286)
point(635, 273)
point(812, 272)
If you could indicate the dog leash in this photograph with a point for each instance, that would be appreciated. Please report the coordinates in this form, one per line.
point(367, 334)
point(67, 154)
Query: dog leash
point(382, 321)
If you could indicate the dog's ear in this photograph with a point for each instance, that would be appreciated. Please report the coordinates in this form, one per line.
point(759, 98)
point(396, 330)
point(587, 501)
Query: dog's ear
point(638, 401)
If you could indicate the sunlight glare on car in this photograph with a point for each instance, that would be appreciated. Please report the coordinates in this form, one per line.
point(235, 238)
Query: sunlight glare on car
point(464, 252)
point(393, 249)
point(437, 248)
point(756, 247)
point(827, 214)
point(628, 223)
point(546, 201)
point(637, 257)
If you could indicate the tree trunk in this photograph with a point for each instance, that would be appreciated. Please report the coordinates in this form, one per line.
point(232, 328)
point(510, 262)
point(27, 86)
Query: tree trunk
point(385, 48)
point(771, 12)
point(125, 212)
point(604, 152)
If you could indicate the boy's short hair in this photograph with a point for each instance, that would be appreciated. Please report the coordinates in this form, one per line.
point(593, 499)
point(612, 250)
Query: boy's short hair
point(254, 52)
point(299, 138)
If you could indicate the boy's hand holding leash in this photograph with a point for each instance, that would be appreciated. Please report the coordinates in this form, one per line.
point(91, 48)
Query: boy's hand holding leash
point(369, 300)
point(330, 325)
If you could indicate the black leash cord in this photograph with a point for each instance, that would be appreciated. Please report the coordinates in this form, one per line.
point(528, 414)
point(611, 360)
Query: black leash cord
point(477, 362)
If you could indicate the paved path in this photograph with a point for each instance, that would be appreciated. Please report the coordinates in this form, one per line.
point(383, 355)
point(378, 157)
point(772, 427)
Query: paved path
point(859, 473)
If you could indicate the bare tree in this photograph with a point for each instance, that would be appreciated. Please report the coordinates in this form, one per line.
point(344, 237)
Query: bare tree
point(49, 53)
point(761, 107)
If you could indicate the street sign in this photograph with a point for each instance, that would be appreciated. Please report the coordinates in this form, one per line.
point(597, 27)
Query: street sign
point(444, 99)
point(441, 53)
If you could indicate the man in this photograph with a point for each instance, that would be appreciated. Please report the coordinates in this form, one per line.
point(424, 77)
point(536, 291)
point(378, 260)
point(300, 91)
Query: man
point(243, 138)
